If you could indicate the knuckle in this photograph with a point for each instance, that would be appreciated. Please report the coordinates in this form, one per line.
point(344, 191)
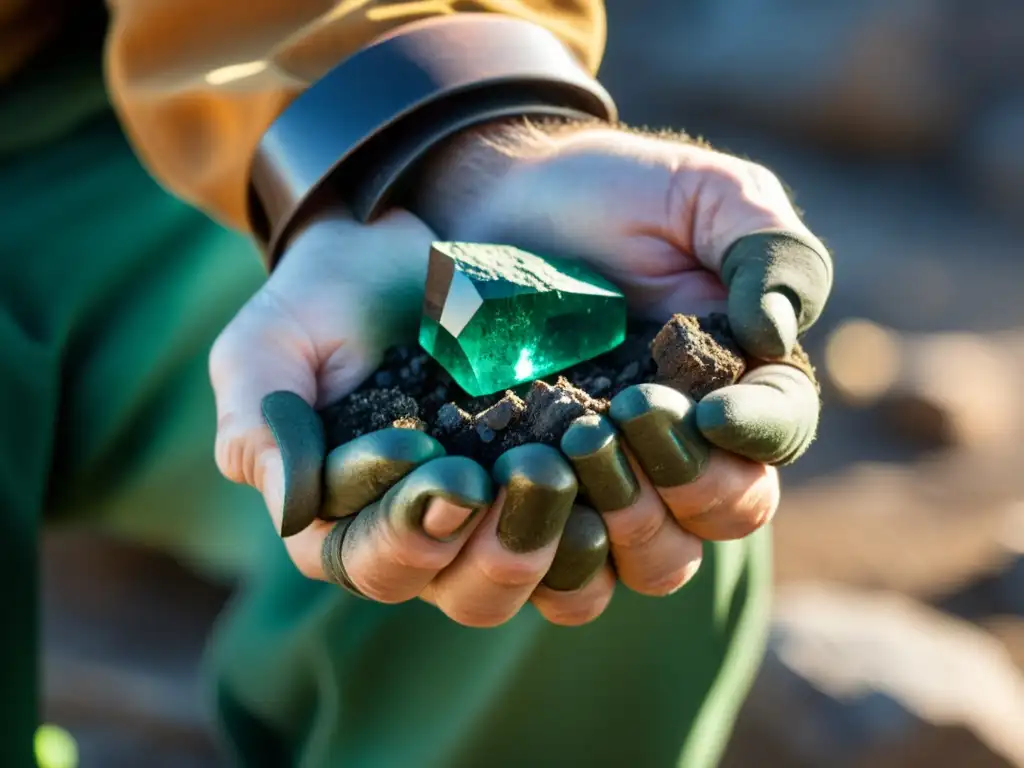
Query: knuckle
point(404, 554)
point(237, 455)
point(478, 616)
point(655, 584)
point(575, 612)
point(757, 177)
point(509, 572)
point(633, 529)
point(306, 562)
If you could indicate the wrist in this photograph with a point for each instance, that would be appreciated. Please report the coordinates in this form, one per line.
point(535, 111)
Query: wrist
point(462, 175)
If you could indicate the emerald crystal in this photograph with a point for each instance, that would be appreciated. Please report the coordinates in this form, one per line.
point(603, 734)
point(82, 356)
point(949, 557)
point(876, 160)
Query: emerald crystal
point(496, 316)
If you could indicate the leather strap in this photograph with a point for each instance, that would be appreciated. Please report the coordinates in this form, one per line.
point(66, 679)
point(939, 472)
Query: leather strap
point(365, 124)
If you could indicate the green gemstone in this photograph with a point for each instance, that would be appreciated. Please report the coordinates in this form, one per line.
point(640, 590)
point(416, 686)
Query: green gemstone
point(495, 316)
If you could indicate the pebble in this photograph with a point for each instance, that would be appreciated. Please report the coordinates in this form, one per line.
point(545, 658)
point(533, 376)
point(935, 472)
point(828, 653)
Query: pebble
point(450, 417)
point(629, 372)
point(485, 433)
point(499, 415)
point(384, 379)
point(600, 385)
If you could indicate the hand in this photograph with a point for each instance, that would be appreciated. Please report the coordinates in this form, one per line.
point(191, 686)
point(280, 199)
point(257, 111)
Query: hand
point(680, 228)
point(412, 522)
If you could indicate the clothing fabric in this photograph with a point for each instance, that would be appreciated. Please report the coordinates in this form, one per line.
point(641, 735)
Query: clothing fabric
point(111, 293)
point(196, 83)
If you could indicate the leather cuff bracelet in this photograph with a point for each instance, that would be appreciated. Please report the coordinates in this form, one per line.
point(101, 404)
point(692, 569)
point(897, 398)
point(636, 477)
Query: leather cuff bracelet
point(360, 129)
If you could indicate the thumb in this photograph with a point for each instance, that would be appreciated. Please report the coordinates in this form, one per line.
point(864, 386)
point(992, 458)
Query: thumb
point(265, 439)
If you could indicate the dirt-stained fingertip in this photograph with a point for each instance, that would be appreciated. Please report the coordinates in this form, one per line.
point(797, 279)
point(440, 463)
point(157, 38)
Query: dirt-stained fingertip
point(659, 426)
point(605, 476)
point(582, 551)
point(771, 416)
point(455, 479)
point(540, 488)
point(299, 434)
point(362, 470)
point(778, 284)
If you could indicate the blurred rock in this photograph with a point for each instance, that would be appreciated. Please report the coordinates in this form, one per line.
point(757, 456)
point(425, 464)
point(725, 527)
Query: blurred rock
point(870, 74)
point(122, 642)
point(1000, 589)
point(862, 361)
point(859, 680)
point(939, 390)
point(1009, 630)
point(924, 530)
point(993, 156)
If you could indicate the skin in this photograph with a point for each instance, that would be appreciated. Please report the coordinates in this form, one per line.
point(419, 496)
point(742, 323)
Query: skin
point(680, 228)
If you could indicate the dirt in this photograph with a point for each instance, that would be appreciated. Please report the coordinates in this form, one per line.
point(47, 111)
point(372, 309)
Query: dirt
point(410, 390)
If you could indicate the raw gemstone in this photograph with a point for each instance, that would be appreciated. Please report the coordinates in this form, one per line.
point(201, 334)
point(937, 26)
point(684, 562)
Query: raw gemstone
point(495, 316)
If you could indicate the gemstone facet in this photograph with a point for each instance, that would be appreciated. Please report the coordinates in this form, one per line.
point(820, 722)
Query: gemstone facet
point(495, 316)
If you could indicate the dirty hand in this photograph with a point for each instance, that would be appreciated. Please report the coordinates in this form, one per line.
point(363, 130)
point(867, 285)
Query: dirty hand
point(679, 228)
point(403, 520)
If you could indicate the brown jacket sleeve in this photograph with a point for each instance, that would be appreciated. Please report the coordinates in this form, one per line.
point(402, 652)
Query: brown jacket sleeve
point(197, 82)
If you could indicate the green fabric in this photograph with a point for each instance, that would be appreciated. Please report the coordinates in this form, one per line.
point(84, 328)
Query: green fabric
point(111, 294)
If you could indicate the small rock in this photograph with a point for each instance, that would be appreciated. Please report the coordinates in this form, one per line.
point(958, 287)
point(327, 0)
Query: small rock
point(452, 419)
point(551, 409)
point(410, 423)
point(629, 372)
point(485, 433)
point(601, 384)
point(502, 413)
point(696, 358)
point(384, 379)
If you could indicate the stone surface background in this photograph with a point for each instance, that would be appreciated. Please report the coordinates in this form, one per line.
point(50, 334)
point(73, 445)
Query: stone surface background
point(899, 622)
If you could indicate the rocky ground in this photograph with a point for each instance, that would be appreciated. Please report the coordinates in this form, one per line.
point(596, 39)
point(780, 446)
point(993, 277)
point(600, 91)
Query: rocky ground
point(899, 627)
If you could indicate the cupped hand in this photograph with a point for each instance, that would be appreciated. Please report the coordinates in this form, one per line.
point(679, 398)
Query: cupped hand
point(403, 520)
point(680, 228)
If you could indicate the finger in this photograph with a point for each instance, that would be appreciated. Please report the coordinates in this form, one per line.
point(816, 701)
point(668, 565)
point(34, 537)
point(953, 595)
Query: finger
point(299, 435)
point(731, 499)
point(385, 552)
point(248, 363)
point(728, 497)
point(659, 426)
point(652, 554)
point(572, 609)
point(770, 416)
point(605, 476)
point(777, 283)
point(582, 551)
point(514, 545)
point(362, 470)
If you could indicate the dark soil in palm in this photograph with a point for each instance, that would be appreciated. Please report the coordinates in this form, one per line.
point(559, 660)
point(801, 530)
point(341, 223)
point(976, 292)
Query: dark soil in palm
point(693, 355)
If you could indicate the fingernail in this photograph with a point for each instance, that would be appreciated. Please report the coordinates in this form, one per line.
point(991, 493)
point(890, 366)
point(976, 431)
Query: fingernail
point(299, 434)
point(362, 470)
point(582, 551)
point(778, 282)
point(442, 520)
point(539, 491)
point(780, 328)
point(456, 479)
point(659, 426)
point(605, 476)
